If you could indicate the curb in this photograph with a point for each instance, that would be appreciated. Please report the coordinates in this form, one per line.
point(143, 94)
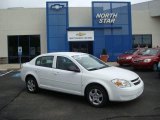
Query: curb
point(3, 69)
point(9, 69)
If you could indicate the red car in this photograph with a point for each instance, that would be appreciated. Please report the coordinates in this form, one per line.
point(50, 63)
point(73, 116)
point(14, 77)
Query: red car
point(126, 58)
point(147, 60)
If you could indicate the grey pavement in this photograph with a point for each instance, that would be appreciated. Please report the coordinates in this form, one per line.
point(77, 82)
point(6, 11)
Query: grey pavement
point(5, 67)
point(17, 104)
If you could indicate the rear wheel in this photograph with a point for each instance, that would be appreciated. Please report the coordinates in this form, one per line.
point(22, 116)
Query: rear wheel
point(31, 85)
point(96, 95)
point(155, 67)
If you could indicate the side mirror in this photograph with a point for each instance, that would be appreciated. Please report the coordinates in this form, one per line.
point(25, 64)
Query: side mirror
point(73, 68)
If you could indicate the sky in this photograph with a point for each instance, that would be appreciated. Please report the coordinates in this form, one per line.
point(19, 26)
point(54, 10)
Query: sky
point(42, 3)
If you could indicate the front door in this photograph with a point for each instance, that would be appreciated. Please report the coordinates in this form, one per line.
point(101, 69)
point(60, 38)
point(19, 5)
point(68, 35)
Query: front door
point(85, 47)
point(66, 80)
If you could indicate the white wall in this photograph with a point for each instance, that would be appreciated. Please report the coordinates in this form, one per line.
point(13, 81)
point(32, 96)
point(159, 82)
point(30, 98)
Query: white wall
point(80, 17)
point(30, 21)
point(143, 23)
point(154, 8)
point(22, 21)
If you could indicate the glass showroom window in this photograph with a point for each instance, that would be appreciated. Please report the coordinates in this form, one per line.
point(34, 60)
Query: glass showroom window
point(30, 47)
point(142, 41)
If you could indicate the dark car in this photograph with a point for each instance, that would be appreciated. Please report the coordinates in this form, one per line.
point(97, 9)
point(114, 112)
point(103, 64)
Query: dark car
point(126, 58)
point(147, 60)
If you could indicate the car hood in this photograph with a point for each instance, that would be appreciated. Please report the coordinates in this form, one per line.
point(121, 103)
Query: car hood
point(125, 55)
point(111, 73)
point(144, 57)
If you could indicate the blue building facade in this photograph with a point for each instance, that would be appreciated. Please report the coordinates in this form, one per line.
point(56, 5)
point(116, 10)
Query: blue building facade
point(111, 26)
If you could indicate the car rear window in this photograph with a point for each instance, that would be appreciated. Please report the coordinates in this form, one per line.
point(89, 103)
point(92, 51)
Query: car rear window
point(45, 61)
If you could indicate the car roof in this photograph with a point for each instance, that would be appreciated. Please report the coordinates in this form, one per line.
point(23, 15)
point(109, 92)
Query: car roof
point(63, 53)
point(154, 48)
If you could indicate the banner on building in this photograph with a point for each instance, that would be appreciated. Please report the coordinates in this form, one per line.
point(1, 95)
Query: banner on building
point(80, 35)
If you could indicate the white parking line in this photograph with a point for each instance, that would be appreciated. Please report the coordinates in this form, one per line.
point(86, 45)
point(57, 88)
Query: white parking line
point(6, 73)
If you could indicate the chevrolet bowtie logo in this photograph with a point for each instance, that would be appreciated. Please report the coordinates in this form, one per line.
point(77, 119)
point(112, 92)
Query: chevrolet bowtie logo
point(80, 34)
point(57, 6)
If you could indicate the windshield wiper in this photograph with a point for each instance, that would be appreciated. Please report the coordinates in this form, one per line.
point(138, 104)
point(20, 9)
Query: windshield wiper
point(97, 68)
point(102, 67)
point(93, 69)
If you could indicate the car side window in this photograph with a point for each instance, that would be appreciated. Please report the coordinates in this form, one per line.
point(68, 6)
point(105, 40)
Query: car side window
point(38, 61)
point(46, 61)
point(64, 63)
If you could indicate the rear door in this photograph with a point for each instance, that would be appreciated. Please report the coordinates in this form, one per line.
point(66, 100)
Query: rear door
point(45, 70)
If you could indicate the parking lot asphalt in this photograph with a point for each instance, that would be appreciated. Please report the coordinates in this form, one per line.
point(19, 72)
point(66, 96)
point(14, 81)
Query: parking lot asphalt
point(17, 104)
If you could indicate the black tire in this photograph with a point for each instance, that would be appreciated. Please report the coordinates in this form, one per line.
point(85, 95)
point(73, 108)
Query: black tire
point(120, 65)
point(134, 68)
point(31, 85)
point(155, 67)
point(96, 99)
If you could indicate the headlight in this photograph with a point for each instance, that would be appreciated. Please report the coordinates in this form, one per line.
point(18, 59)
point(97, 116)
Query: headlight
point(128, 58)
point(147, 60)
point(121, 83)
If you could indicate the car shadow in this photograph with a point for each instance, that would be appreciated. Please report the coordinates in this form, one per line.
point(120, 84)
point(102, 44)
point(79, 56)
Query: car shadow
point(81, 101)
point(124, 104)
point(63, 96)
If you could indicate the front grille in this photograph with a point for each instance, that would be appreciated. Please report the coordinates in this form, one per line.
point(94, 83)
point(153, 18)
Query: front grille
point(137, 61)
point(136, 81)
point(121, 58)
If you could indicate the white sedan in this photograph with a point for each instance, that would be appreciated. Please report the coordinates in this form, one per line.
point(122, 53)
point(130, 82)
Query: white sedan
point(81, 74)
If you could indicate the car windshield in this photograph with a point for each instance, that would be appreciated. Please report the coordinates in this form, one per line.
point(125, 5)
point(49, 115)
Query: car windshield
point(90, 62)
point(131, 51)
point(150, 52)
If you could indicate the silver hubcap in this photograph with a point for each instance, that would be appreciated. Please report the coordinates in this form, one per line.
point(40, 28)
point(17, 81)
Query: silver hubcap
point(31, 85)
point(95, 96)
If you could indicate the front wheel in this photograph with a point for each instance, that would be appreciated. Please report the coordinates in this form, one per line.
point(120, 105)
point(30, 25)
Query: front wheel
point(96, 95)
point(31, 85)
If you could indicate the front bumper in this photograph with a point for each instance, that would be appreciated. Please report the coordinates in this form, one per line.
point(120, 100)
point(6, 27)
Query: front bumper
point(127, 94)
point(124, 61)
point(142, 65)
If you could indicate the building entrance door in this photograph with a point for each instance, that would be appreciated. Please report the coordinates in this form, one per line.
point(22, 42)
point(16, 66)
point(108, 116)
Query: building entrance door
point(85, 47)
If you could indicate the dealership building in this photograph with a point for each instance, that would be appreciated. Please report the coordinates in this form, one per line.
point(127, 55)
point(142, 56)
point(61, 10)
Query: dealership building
point(115, 26)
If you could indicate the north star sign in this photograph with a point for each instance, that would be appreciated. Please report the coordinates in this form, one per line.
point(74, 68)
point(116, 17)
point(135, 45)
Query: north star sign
point(106, 18)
